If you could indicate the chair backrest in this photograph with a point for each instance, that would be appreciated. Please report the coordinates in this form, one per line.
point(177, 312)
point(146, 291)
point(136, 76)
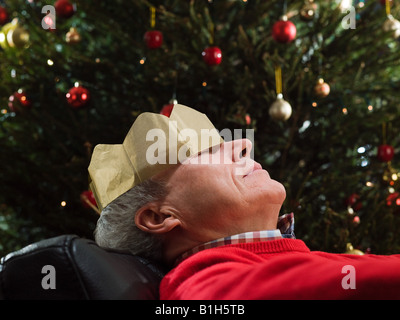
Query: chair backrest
point(70, 267)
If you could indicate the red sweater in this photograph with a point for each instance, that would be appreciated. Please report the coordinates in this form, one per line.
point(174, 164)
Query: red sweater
point(281, 269)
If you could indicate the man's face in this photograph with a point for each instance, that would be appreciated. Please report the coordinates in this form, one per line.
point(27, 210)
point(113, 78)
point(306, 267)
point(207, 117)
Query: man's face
point(223, 192)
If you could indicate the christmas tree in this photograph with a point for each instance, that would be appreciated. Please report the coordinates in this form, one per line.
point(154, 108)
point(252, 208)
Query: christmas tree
point(317, 81)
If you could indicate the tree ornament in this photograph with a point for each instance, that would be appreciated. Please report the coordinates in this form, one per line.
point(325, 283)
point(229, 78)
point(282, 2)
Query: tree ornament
point(308, 11)
point(393, 199)
point(212, 55)
point(385, 153)
point(88, 200)
point(241, 118)
point(392, 25)
point(78, 96)
point(19, 38)
point(3, 16)
point(322, 89)
point(73, 36)
point(153, 39)
point(4, 31)
point(280, 109)
point(353, 203)
point(247, 119)
point(13, 35)
point(350, 250)
point(284, 31)
point(64, 8)
point(18, 100)
point(167, 108)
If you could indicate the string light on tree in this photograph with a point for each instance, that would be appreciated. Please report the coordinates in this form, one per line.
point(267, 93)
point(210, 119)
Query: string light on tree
point(390, 175)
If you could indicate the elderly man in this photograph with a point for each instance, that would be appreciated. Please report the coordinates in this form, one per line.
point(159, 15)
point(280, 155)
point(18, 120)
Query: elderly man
point(214, 220)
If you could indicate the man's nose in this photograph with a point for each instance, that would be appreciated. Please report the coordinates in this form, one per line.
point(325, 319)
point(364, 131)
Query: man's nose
point(240, 148)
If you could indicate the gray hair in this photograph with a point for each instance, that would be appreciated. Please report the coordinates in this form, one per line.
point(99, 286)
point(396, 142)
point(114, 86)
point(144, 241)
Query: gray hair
point(116, 228)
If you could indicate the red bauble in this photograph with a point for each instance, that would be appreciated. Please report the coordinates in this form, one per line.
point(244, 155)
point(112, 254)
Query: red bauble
point(3, 16)
point(167, 109)
point(78, 97)
point(153, 39)
point(247, 118)
point(393, 199)
point(87, 199)
point(385, 153)
point(212, 55)
point(17, 100)
point(64, 8)
point(354, 202)
point(284, 31)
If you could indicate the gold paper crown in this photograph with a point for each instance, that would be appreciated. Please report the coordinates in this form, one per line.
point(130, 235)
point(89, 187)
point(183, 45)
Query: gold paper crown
point(153, 144)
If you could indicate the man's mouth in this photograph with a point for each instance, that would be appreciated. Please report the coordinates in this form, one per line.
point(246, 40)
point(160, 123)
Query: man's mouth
point(256, 167)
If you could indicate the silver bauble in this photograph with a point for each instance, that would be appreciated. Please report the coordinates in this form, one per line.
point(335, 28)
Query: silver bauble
point(393, 25)
point(280, 110)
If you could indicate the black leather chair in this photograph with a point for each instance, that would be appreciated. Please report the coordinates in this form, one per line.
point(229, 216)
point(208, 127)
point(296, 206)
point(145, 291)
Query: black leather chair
point(79, 270)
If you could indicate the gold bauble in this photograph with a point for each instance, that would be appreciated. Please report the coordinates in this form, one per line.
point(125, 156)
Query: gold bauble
point(392, 25)
point(351, 250)
point(73, 36)
point(13, 35)
point(280, 110)
point(322, 89)
point(18, 38)
point(4, 32)
point(307, 12)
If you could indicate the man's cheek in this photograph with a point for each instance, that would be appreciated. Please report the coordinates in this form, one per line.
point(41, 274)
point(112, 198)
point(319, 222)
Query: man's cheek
point(243, 167)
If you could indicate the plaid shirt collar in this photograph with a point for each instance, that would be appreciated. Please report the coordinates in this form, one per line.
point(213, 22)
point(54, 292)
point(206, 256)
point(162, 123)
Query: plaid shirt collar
point(285, 229)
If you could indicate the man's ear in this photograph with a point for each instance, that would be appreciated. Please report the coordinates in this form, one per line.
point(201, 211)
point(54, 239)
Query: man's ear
point(155, 218)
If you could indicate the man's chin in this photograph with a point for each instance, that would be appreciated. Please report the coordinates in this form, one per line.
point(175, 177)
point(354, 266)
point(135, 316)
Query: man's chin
point(274, 192)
